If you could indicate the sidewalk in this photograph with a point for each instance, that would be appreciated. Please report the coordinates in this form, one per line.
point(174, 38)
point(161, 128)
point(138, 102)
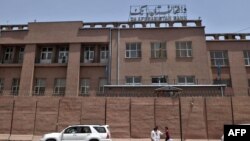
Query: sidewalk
point(7, 137)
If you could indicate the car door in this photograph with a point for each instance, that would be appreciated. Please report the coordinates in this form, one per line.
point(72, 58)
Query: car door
point(70, 134)
point(83, 133)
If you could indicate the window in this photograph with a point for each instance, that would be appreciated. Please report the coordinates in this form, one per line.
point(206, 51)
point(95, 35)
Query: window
point(133, 50)
point(219, 58)
point(46, 55)
point(247, 57)
point(84, 86)
point(100, 129)
point(158, 50)
point(60, 84)
point(104, 54)
point(8, 55)
point(223, 81)
point(1, 85)
point(86, 129)
point(184, 49)
point(63, 55)
point(89, 54)
point(20, 55)
point(133, 80)
point(39, 87)
point(159, 80)
point(187, 80)
point(15, 86)
point(102, 82)
point(71, 130)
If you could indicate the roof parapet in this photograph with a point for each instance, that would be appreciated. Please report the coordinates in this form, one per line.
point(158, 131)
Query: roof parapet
point(128, 24)
point(13, 27)
point(143, 24)
point(227, 36)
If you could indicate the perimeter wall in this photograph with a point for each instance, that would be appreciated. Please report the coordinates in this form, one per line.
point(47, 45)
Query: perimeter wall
point(186, 117)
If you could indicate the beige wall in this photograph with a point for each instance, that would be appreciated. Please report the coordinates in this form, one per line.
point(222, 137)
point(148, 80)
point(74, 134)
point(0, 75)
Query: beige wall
point(69, 33)
point(146, 67)
point(27, 73)
point(54, 32)
point(238, 70)
point(8, 74)
point(50, 74)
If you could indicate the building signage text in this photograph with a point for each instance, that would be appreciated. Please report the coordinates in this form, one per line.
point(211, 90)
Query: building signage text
point(158, 13)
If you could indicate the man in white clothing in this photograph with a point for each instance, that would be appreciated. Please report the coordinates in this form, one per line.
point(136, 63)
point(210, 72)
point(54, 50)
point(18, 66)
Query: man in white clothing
point(156, 134)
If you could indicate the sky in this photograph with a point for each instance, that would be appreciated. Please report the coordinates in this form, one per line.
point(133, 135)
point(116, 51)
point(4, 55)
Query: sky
point(218, 16)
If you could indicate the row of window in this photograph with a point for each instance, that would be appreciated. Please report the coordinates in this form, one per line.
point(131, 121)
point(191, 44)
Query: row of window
point(47, 55)
point(181, 80)
point(137, 80)
point(158, 49)
point(59, 86)
point(60, 83)
point(220, 58)
point(183, 50)
point(133, 50)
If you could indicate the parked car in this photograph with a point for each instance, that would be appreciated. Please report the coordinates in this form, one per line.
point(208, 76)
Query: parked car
point(81, 133)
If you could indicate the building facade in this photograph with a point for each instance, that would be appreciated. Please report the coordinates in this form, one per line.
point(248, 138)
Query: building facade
point(90, 59)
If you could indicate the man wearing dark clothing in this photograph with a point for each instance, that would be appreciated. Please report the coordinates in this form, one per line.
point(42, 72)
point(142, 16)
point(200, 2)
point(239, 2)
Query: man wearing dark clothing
point(167, 134)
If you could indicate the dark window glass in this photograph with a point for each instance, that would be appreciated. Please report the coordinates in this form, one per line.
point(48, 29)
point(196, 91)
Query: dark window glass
point(100, 129)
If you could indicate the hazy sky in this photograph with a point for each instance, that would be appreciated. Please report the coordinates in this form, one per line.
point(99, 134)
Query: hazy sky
point(219, 16)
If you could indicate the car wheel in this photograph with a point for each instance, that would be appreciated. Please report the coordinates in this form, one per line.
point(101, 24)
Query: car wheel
point(50, 140)
point(94, 140)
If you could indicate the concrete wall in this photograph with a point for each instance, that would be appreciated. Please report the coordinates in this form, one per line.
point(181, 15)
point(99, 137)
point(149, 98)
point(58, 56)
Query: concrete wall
point(191, 118)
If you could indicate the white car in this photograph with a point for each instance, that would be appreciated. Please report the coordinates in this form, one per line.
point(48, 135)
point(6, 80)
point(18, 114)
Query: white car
point(80, 133)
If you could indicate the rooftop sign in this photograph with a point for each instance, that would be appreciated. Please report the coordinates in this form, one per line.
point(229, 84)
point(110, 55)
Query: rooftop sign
point(158, 12)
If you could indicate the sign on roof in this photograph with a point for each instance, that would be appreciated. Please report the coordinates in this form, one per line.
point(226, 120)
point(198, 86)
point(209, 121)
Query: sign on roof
point(158, 12)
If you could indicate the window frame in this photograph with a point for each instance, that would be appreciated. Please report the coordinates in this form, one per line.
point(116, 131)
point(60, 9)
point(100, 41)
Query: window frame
point(246, 54)
point(84, 86)
point(130, 49)
point(133, 78)
point(63, 52)
point(89, 54)
point(39, 86)
point(159, 47)
point(160, 78)
point(104, 54)
point(21, 54)
point(186, 77)
point(46, 55)
point(102, 82)
point(59, 86)
point(184, 49)
point(8, 55)
point(215, 60)
point(15, 86)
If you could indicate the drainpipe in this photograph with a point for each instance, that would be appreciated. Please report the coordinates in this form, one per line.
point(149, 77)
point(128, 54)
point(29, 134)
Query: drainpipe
point(110, 56)
point(118, 56)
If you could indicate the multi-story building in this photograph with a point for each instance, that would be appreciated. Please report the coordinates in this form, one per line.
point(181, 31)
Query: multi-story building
point(89, 59)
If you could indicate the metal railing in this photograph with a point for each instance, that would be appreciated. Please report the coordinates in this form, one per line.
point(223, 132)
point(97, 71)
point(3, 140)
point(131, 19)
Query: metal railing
point(134, 92)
